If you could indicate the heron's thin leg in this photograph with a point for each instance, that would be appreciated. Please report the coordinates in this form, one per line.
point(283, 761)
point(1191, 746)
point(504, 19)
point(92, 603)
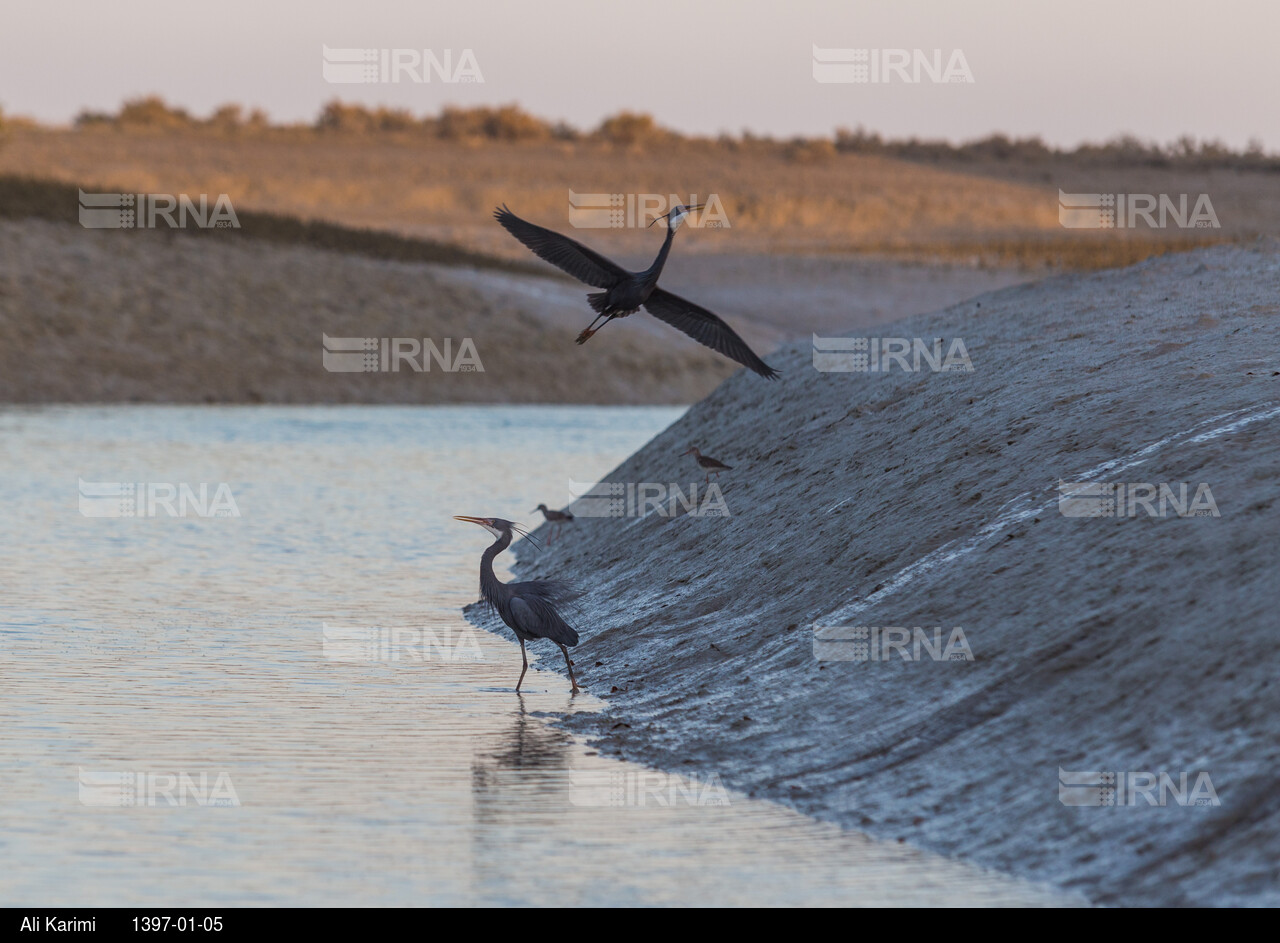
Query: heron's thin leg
point(589, 330)
point(524, 658)
point(568, 664)
point(587, 334)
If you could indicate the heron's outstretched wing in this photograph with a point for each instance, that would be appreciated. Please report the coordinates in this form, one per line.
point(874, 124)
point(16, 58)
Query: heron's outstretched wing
point(705, 328)
point(564, 253)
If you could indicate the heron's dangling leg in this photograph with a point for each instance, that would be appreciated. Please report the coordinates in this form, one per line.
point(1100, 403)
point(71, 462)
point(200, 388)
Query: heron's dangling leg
point(568, 664)
point(589, 332)
point(524, 658)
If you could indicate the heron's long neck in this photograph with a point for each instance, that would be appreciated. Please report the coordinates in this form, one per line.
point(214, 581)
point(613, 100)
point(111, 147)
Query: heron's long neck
point(651, 274)
point(489, 582)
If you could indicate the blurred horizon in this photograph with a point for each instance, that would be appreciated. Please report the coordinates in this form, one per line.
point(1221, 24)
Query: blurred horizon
point(1158, 72)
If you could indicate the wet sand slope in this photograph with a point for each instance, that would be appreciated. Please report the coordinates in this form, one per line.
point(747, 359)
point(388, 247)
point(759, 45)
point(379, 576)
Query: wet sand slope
point(1135, 645)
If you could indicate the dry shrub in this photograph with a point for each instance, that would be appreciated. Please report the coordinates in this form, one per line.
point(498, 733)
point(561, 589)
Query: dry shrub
point(343, 118)
point(94, 119)
point(152, 112)
point(508, 123)
point(640, 132)
point(809, 150)
point(227, 118)
point(631, 129)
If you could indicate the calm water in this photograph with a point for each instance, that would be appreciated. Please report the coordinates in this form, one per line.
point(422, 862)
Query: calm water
point(359, 741)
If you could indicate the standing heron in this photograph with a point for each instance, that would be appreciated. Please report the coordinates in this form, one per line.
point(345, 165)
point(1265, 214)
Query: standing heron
point(624, 292)
point(708, 463)
point(529, 608)
point(557, 518)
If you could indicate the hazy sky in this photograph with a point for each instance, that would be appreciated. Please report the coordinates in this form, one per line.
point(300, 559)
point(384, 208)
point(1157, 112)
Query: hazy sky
point(1066, 71)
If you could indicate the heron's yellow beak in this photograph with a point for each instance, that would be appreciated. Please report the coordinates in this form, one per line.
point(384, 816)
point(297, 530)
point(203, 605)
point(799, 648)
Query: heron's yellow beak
point(471, 520)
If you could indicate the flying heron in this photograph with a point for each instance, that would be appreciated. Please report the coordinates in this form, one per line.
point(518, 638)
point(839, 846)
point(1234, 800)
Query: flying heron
point(529, 608)
point(708, 463)
point(625, 292)
point(557, 518)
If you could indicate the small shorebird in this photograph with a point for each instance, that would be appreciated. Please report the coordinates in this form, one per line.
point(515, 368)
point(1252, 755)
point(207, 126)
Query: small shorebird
point(558, 518)
point(529, 608)
point(625, 292)
point(708, 463)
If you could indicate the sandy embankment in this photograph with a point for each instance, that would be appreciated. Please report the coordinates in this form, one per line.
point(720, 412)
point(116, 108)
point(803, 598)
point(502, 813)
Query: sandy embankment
point(930, 499)
point(123, 316)
point(155, 316)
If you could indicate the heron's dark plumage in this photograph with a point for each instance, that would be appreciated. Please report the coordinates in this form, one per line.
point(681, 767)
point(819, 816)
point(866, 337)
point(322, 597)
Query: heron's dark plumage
point(705, 328)
point(564, 253)
point(625, 292)
point(534, 615)
point(528, 608)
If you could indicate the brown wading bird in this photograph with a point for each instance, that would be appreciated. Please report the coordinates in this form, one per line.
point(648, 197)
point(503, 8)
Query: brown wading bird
point(626, 292)
point(529, 608)
point(708, 463)
point(557, 518)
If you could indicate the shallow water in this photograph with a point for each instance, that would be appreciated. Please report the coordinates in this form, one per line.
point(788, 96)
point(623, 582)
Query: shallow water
point(359, 742)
